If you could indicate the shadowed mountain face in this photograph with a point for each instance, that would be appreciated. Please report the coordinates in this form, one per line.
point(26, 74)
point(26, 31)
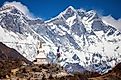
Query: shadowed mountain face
point(10, 59)
point(7, 53)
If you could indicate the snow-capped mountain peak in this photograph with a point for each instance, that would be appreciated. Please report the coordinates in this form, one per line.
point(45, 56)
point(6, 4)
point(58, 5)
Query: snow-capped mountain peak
point(17, 33)
point(7, 7)
point(83, 34)
point(69, 10)
point(10, 8)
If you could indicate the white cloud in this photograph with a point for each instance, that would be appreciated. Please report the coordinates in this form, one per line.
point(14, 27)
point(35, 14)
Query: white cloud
point(113, 22)
point(22, 8)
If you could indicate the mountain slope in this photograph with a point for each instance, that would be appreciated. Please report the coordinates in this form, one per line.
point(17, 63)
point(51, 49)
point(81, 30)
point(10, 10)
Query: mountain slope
point(85, 41)
point(10, 53)
point(16, 32)
point(10, 59)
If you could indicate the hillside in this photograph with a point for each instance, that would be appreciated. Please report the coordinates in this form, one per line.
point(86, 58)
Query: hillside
point(114, 74)
point(10, 59)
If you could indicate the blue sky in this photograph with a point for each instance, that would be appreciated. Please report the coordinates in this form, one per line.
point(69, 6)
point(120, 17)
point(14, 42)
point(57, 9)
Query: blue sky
point(47, 9)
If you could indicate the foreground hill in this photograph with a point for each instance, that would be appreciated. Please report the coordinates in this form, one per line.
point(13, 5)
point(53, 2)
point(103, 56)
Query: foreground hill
point(49, 72)
point(10, 59)
point(55, 72)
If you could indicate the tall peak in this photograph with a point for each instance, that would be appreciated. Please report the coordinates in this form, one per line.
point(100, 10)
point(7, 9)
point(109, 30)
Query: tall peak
point(7, 7)
point(70, 9)
point(11, 8)
point(68, 12)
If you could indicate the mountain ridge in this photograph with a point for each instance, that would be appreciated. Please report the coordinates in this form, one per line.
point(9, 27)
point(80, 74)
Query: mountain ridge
point(84, 32)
